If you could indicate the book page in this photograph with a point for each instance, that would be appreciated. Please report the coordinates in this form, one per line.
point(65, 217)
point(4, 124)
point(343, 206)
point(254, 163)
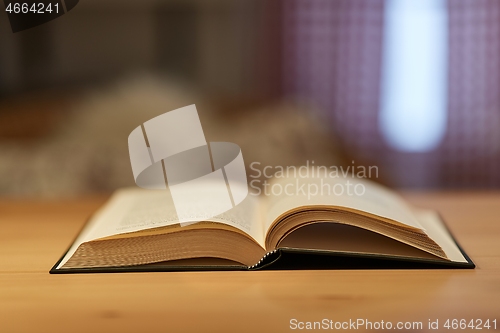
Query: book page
point(346, 238)
point(131, 210)
point(344, 192)
point(436, 230)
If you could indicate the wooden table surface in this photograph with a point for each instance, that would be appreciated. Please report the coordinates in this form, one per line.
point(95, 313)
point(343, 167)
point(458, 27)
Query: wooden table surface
point(34, 234)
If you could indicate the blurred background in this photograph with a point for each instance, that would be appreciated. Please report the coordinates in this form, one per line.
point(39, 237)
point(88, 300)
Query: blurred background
point(409, 86)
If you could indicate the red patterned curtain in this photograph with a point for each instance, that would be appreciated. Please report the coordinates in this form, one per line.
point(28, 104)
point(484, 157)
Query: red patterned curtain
point(332, 55)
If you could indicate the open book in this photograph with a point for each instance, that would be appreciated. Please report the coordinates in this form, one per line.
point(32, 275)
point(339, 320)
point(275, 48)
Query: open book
point(138, 230)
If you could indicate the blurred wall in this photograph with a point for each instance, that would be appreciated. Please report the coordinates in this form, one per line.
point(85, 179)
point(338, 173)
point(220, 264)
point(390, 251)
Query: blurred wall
point(222, 47)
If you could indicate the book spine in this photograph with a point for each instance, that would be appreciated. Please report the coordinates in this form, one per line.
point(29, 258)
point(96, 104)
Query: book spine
point(266, 260)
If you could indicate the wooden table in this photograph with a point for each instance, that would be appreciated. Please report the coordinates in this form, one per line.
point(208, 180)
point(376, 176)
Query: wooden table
point(34, 234)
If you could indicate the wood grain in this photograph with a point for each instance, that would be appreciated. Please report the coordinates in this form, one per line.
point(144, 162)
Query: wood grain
point(34, 234)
